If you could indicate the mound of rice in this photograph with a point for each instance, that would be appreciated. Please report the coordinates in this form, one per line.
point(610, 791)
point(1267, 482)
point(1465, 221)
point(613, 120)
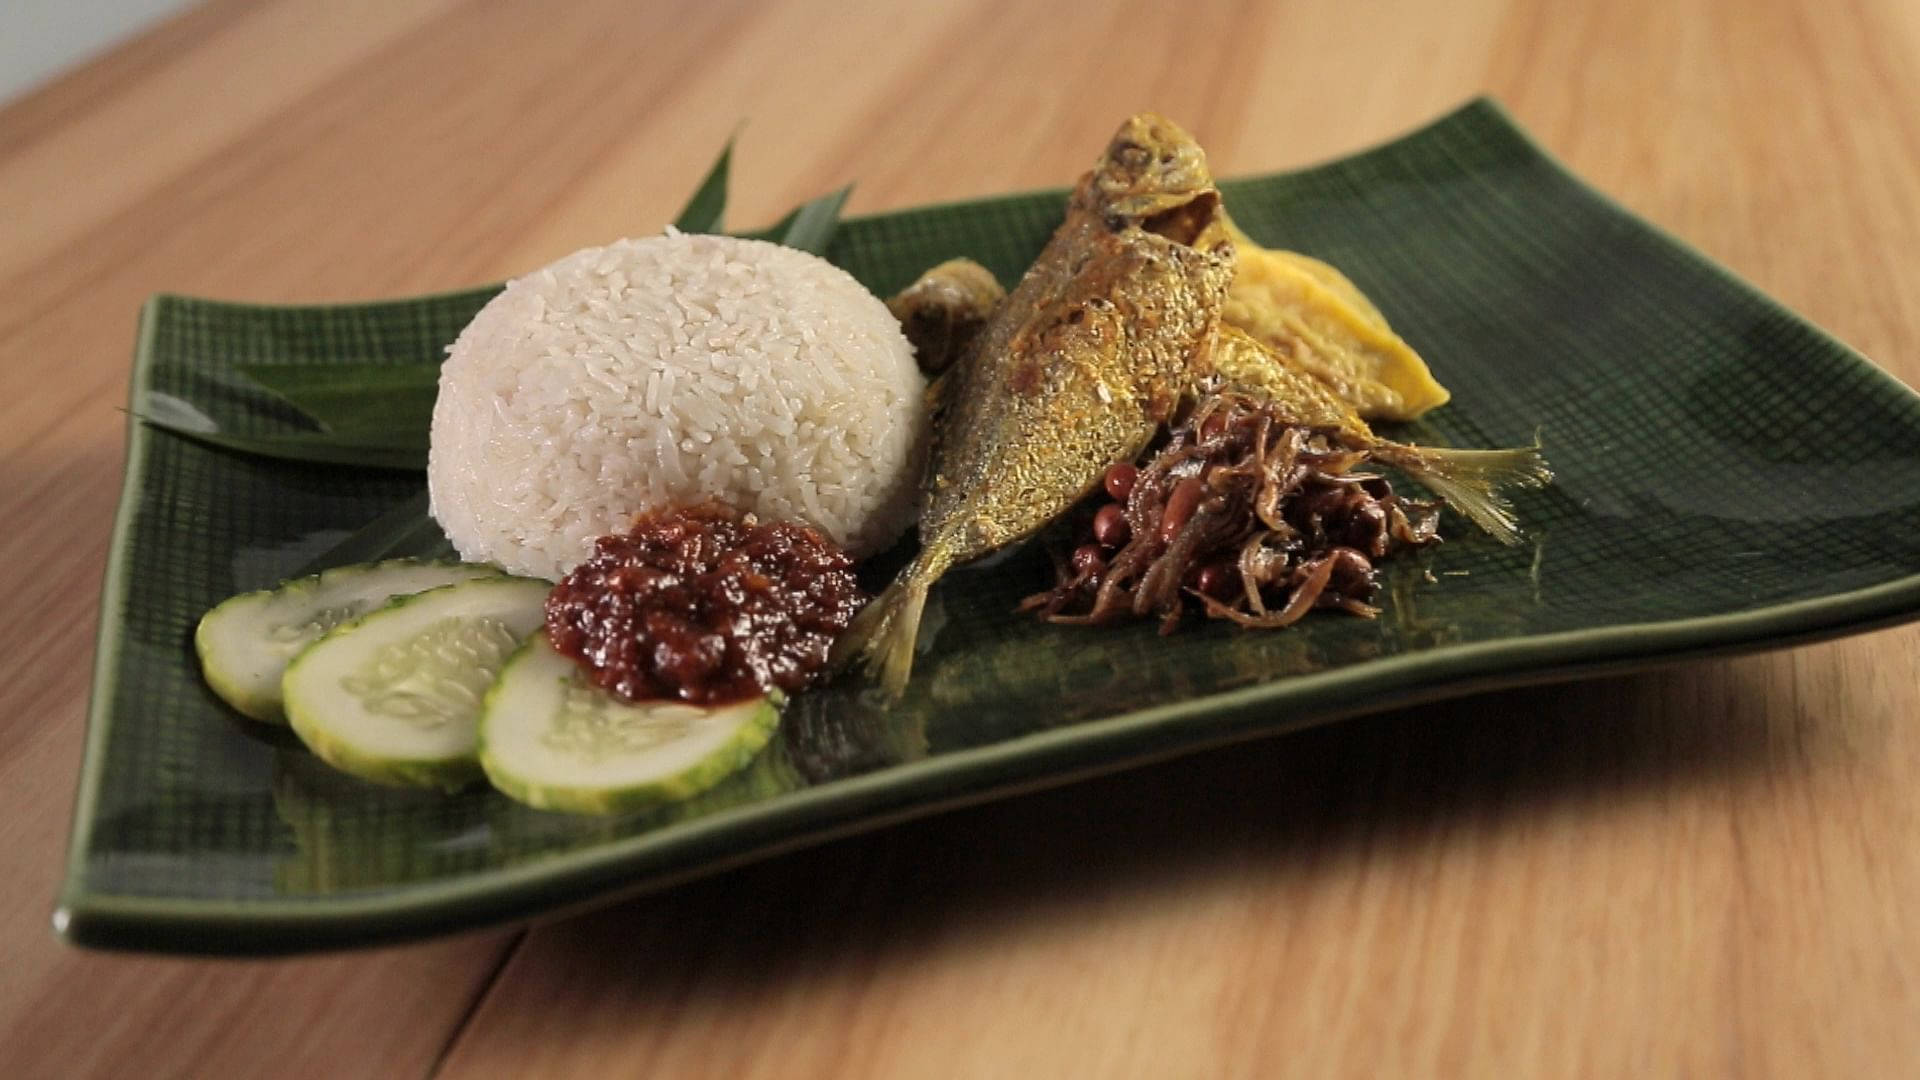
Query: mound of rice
point(667, 370)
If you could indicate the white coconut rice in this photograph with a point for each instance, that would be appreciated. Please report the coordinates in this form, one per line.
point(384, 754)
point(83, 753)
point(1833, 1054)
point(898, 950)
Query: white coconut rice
point(667, 370)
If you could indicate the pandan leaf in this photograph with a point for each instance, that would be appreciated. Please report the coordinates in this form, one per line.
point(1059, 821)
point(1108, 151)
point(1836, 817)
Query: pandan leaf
point(811, 227)
point(355, 397)
point(708, 206)
point(367, 448)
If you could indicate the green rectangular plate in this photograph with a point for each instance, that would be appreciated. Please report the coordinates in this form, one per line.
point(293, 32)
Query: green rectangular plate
point(1730, 478)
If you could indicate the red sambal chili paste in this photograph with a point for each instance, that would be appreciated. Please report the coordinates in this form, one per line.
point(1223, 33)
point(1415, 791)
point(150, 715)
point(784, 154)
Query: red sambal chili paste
point(704, 604)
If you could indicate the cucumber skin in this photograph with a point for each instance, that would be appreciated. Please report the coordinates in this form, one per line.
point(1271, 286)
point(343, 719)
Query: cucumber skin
point(447, 774)
point(755, 735)
point(269, 710)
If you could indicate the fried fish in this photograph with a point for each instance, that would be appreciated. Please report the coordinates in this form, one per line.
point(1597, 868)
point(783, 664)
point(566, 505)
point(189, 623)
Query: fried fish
point(1077, 368)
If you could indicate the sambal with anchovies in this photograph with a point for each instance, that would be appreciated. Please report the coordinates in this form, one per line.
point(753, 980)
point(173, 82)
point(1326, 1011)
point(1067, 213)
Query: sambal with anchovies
point(1243, 515)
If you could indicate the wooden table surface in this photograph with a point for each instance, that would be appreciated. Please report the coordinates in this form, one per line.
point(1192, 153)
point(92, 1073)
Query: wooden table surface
point(1712, 870)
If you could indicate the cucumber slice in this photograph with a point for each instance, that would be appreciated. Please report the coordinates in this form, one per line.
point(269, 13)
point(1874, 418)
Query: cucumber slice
point(394, 696)
point(246, 642)
point(553, 740)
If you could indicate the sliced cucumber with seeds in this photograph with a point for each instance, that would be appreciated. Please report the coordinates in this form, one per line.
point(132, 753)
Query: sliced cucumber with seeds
point(394, 696)
point(555, 741)
point(246, 642)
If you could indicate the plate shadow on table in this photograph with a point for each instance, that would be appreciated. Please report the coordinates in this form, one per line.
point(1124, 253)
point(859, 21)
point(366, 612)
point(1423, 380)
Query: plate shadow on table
point(1291, 806)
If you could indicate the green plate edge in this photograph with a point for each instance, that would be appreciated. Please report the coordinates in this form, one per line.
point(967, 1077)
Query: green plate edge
point(567, 883)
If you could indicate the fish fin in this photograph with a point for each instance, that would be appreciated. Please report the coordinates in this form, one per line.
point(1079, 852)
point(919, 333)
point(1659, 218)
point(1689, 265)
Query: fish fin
point(1474, 482)
point(883, 635)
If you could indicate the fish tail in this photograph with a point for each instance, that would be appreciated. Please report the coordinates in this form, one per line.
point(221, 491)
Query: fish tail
point(882, 636)
point(1474, 482)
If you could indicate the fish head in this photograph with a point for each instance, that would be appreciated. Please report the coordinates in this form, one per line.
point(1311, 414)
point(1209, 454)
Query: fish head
point(1154, 175)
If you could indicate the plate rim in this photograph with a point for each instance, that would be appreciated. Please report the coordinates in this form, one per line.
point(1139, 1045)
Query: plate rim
point(553, 886)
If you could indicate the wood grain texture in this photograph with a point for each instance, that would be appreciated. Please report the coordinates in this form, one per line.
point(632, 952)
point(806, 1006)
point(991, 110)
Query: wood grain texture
point(1705, 871)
